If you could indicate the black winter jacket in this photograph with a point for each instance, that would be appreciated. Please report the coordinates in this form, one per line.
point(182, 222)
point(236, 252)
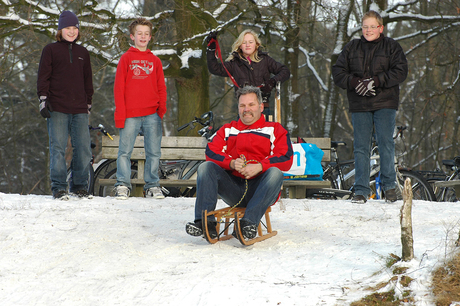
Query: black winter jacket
point(383, 58)
point(255, 74)
point(65, 77)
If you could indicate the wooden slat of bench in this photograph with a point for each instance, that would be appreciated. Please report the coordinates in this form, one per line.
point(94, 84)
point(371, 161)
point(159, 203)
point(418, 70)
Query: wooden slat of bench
point(443, 184)
point(166, 142)
point(172, 148)
point(191, 183)
point(165, 183)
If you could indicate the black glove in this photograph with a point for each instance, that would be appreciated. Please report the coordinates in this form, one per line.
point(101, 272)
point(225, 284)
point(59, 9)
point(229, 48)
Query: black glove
point(211, 40)
point(365, 87)
point(45, 108)
point(268, 86)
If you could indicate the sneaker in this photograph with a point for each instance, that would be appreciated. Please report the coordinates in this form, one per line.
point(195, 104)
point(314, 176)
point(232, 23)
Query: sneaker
point(390, 195)
point(122, 193)
point(248, 229)
point(83, 194)
point(196, 229)
point(359, 199)
point(154, 192)
point(61, 195)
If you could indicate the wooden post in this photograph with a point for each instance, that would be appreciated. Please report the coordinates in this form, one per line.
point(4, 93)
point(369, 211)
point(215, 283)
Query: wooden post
point(277, 112)
point(407, 239)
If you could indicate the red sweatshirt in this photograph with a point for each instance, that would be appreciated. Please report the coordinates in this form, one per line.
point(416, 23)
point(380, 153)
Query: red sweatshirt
point(265, 142)
point(140, 88)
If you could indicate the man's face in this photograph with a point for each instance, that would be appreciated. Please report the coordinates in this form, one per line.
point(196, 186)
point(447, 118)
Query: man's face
point(249, 108)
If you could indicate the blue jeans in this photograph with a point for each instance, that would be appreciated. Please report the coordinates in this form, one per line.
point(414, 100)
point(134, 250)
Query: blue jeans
point(363, 123)
point(151, 127)
point(212, 180)
point(60, 125)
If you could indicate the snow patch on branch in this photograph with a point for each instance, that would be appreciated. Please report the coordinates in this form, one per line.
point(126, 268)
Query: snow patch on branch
point(312, 68)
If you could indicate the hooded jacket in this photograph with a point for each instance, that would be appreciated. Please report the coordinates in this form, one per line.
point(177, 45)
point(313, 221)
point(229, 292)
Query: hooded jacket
point(265, 142)
point(65, 77)
point(140, 88)
point(255, 74)
point(382, 59)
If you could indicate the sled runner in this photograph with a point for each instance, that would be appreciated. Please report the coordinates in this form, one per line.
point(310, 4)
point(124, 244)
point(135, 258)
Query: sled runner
point(231, 216)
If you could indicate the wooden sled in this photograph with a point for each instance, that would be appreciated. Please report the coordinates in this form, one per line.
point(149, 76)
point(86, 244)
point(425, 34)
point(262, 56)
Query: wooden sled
point(227, 217)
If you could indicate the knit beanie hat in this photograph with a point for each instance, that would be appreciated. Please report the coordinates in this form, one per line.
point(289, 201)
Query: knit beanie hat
point(67, 19)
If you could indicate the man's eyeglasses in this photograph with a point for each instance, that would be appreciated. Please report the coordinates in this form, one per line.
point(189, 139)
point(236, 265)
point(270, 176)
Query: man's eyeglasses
point(373, 27)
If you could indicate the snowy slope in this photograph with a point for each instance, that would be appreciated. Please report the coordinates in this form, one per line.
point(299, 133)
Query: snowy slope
point(136, 252)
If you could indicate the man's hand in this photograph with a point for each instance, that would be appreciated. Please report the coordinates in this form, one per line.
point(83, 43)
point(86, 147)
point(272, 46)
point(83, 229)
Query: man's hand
point(365, 87)
point(247, 170)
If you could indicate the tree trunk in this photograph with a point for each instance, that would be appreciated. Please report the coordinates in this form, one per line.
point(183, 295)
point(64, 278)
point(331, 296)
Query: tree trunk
point(407, 239)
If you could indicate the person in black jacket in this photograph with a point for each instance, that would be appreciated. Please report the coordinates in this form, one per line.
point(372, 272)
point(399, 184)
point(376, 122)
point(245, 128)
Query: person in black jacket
point(247, 64)
point(370, 69)
point(65, 90)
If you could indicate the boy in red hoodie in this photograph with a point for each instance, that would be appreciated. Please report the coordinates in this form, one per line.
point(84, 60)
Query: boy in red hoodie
point(140, 104)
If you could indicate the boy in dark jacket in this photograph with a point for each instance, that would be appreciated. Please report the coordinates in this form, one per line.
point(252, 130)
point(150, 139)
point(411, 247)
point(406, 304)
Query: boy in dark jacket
point(244, 164)
point(371, 69)
point(65, 90)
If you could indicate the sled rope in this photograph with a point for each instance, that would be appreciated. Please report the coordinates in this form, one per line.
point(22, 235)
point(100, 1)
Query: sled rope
point(228, 214)
point(219, 55)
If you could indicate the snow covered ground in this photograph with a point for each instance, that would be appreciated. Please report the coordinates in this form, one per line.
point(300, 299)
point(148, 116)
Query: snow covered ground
point(136, 252)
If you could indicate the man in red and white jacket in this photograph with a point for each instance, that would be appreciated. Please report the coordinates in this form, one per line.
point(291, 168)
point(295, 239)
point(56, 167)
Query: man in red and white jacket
point(250, 149)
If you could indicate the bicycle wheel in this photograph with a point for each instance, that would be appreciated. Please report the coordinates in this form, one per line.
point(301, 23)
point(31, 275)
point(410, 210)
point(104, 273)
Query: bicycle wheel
point(106, 191)
point(103, 168)
point(90, 188)
point(421, 189)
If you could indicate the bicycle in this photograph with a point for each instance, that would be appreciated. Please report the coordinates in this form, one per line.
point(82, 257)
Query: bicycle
point(341, 181)
point(449, 193)
point(177, 170)
point(93, 172)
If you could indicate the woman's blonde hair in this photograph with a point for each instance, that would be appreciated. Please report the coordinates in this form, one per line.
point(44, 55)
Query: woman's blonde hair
point(239, 41)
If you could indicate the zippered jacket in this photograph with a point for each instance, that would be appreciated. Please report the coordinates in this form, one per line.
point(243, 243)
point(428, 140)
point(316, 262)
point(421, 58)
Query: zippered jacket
point(382, 59)
point(255, 74)
point(65, 77)
point(140, 88)
point(264, 142)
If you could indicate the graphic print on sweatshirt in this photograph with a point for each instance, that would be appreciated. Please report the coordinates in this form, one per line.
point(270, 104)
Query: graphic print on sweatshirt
point(141, 68)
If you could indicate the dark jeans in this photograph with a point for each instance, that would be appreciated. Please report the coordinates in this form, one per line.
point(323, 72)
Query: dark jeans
point(60, 126)
point(363, 124)
point(262, 192)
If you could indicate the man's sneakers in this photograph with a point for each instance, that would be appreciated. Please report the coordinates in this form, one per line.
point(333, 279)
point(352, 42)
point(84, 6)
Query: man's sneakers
point(196, 229)
point(359, 199)
point(154, 192)
point(122, 192)
point(61, 195)
point(390, 195)
point(248, 229)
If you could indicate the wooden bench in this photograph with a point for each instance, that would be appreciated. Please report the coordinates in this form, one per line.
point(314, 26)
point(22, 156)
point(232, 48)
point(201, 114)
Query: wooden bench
point(193, 148)
point(172, 148)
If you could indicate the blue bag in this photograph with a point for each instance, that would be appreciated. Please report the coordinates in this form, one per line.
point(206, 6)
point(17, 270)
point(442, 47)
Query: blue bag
point(306, 164)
